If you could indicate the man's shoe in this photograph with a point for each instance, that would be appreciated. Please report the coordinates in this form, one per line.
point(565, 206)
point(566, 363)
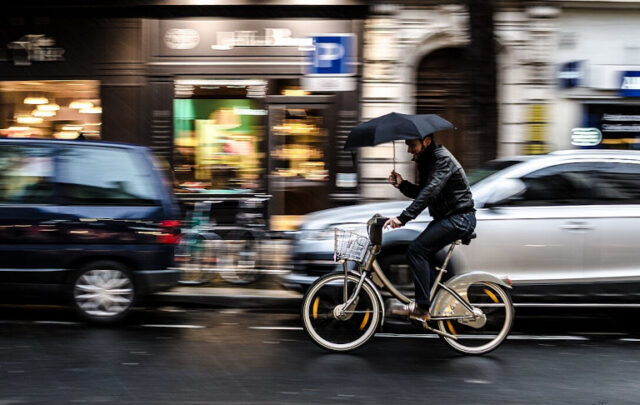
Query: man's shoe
point(411, 310)
point(420, 314)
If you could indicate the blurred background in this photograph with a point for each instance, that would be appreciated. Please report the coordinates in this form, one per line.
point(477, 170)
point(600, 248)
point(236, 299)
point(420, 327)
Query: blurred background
point(248, 97)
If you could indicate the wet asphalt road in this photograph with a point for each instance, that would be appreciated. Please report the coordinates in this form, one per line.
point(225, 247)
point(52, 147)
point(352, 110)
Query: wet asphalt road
point(203, 356)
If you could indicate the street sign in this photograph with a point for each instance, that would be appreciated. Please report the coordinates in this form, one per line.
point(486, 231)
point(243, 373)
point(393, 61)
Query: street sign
point(630, 86)
point(332, 55)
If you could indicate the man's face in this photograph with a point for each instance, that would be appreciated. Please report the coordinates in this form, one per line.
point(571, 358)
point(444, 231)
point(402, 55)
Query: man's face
point(417, 146)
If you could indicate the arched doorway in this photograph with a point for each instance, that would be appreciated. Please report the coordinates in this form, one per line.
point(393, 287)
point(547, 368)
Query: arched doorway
point(442, 88)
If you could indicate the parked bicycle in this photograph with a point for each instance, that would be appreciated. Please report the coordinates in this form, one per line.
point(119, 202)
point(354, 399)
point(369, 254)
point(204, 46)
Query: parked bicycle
point(234, 252)
point(341, 311)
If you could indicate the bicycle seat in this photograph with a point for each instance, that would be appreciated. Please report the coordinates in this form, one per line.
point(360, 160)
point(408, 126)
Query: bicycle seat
point(467, 240)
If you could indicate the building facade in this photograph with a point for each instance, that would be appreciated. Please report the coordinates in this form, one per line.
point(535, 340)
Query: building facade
point(244, 99)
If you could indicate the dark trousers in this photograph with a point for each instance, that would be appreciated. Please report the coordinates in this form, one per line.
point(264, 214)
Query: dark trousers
point(421, 252)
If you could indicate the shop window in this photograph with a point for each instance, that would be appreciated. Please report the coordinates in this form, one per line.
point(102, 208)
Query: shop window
point(62, 109)
point(218, 137)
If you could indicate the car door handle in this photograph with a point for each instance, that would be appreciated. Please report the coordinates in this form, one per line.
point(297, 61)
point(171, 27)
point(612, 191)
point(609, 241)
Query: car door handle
point(577, 226)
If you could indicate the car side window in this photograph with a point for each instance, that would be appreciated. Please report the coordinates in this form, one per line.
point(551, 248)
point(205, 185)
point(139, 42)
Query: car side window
point(102, 176)
point(616, 183)
point(565, 184)
point(26, 173)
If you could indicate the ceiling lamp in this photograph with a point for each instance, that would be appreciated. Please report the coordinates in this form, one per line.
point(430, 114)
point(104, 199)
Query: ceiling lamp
point(92, 110)
point(80, 104)
point(72, 128)
point(36, 100)
point(39, 113)
point(28, 119)
point(65, 135)
point(49, 107)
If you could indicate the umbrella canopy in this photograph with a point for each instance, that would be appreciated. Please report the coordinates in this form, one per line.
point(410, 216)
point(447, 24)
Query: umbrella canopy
point(393, 127)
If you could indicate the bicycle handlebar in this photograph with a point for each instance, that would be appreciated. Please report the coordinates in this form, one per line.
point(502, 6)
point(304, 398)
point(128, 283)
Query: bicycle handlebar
point(374, 228)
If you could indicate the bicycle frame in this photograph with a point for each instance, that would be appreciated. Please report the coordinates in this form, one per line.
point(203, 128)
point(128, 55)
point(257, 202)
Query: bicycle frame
point(371, 264)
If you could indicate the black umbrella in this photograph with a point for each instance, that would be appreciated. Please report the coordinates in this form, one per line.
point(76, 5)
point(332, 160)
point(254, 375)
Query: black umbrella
point(393, 127)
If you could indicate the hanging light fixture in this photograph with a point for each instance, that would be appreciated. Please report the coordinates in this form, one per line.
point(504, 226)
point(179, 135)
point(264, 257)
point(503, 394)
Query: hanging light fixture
point(66, 135)
point(72, 128)
point(49, 107)
point(36, 100)
point(80, 104)
point(28, 119)
point(40, 113)
point(92, 110)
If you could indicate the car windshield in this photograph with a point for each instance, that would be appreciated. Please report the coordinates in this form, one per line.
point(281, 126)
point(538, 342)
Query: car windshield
point(489, 168)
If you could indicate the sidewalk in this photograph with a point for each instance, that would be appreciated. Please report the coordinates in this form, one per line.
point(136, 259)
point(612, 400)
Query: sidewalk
point(230, 297)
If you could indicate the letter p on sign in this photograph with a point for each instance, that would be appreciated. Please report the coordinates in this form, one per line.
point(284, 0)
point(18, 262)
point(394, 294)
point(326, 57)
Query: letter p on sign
point(332, 55)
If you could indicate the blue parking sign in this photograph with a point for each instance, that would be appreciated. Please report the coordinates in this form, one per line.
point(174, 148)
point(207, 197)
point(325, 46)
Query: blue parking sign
point(332, 55)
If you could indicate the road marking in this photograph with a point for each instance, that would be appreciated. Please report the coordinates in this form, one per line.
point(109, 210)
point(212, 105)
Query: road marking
point(630, 340)
point(412, 336)
point(511, 337)
point(173, 326)
point(434, 336)
point(477, 382)
point(56, 323)
point(276, 327)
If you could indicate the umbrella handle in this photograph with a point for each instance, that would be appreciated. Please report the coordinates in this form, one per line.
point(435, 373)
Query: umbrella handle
point(394, 155)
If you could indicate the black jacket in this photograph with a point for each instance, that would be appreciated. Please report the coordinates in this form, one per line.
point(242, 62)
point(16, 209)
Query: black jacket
point(443, 186)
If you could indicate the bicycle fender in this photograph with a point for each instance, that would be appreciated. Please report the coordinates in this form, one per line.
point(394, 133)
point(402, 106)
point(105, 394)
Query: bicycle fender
point(446, 304)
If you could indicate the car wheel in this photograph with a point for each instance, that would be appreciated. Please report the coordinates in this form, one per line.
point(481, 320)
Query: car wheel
point(103, 292)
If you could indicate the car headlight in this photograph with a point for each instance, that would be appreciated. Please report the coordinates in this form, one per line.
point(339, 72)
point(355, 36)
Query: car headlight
point(328, 233)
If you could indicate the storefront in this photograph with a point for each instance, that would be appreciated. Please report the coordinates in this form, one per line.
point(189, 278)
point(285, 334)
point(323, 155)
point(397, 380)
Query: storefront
point(65, 75)
point(230, 105)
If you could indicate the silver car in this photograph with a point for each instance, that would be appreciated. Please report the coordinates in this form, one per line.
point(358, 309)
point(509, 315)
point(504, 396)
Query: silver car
point(565, 227)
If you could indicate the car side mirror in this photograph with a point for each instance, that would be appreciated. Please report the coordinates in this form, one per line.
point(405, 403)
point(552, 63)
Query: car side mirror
point(506, 190)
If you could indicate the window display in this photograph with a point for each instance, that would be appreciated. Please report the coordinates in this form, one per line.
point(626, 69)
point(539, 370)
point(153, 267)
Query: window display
point(217, 144)
point(62, 109)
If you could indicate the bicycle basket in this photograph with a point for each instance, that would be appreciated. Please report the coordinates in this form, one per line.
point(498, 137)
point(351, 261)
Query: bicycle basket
point(349, 246)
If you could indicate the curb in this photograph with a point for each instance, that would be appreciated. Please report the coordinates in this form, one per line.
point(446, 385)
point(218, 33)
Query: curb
point(229, 297)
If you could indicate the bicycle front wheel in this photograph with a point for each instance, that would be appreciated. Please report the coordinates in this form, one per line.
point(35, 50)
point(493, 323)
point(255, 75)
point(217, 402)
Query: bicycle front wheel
point(334, 327)
point(489, 329)
point(191, 257)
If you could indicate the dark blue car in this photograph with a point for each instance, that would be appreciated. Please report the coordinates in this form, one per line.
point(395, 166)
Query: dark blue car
point(93, 221)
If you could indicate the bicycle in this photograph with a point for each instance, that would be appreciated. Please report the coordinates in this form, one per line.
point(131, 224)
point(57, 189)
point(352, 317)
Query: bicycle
point(231, 251)
point(342, 310)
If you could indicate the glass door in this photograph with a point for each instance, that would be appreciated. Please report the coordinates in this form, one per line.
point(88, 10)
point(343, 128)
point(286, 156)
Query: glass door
point(298, 162)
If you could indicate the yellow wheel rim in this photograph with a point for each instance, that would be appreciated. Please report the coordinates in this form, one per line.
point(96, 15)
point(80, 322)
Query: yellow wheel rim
point(365, 320)
point(316, 302)
point(451, 329)
point(491, 295)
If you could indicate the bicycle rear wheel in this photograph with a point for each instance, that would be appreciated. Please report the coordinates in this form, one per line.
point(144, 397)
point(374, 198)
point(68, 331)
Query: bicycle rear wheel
point(489, 330)
point(336, 330)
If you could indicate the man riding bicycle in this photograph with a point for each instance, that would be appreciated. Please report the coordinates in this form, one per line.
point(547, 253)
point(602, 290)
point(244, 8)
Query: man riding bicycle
point(444, 189)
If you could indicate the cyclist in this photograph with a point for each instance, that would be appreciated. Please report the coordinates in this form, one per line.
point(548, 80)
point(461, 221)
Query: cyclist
point(444, 189)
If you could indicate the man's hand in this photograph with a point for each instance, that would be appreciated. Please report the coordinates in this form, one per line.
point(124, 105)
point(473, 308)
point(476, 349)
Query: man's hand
point(392, 223)
point(395, 179)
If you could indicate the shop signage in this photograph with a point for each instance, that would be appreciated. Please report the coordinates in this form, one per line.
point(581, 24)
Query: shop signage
point(586, 136)
point(213, 37)
point(272, 37)
point(571, 74)
point(35, 48)
point(630, 85)
point(181, 38)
